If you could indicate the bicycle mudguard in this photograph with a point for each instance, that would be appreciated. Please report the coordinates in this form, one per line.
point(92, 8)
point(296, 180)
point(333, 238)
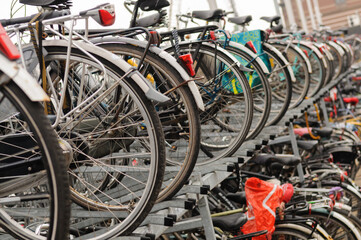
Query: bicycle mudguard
point(299, 50)
point(134, 75)
point(337, 47)
point(163, 54)
point(279, 54)
point(23, 79)
point(315, 50)
point(250, 53)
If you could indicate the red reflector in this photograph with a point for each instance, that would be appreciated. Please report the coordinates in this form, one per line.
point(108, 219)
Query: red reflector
point(321, 50)
point(305, 51)
point(213, 35)
point(106, 17)
point(327, 99)
point(250, 45)
point(187, 60)
point(154, 37)
point(7, 46)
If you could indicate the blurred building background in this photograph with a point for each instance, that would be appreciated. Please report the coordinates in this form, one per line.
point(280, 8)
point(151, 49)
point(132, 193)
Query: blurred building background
point(311, 14)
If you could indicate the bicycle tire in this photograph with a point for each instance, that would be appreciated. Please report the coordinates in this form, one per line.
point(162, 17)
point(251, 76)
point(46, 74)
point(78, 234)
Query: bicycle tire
point(263, 88)
point(41, 136)
point(333, 223)
point(293, 231)
point(187, 158)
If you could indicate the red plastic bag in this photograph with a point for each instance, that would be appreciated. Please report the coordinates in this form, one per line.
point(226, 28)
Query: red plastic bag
point(262, 200)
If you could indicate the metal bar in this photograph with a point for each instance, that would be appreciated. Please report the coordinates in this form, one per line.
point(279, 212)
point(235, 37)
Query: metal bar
point(310, 11)
point(301, 14)
point(296, 152)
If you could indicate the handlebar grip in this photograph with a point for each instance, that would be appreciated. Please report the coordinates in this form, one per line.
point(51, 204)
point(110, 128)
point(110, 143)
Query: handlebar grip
point(13, 21)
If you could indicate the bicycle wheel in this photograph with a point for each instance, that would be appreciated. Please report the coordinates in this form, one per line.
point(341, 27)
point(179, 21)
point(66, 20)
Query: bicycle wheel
point(180, 119)
point(281, 87)
point(318, 75)
point(293, 231)
point(117, 140)
point(34, 191)
point(334, 223)
point(227, 119)
point(261, 91)
point(337, 54)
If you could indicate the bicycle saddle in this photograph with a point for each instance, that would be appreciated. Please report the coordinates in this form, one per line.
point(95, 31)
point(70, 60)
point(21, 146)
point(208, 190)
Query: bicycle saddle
point(240, 20)
point(351, 100)
point(271, 19)
point(150, 5)
point(324, 132)
point(307, 145)
point(208, 14)
point(43, 3)
point(230, 222)
point(238, 197)
point(285, 160)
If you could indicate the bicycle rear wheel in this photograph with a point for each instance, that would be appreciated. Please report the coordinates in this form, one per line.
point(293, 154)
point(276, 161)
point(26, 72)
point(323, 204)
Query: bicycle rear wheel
point(34, 191)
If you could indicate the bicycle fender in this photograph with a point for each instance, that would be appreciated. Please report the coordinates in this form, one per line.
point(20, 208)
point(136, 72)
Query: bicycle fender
point(234, 59)
point(299, 50)
point(315, 50)
point(337, 47)
point(279, 54)
point(167, 57)
point(23, 80)
point(134, 75)
point(250, 53)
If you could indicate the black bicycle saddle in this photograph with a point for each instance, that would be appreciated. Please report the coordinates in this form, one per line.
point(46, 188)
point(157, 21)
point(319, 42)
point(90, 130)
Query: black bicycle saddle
point(230, 222)
point(271, 19)
point(324, 132)
point(208, 14)
point(267, 159)
point(43, 3)
point(240, 20)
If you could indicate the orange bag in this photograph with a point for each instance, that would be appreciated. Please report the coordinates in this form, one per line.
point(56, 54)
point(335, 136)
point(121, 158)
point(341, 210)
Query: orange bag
point(262, 200)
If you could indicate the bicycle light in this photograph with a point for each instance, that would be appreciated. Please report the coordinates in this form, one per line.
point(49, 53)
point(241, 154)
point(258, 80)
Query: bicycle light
point(6, 45)
point(103, 14)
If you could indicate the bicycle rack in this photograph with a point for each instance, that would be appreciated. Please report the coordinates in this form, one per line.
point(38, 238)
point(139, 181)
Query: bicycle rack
point(170, 216)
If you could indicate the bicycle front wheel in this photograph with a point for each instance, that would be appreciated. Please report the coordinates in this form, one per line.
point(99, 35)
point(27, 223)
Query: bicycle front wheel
point(116, 136)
